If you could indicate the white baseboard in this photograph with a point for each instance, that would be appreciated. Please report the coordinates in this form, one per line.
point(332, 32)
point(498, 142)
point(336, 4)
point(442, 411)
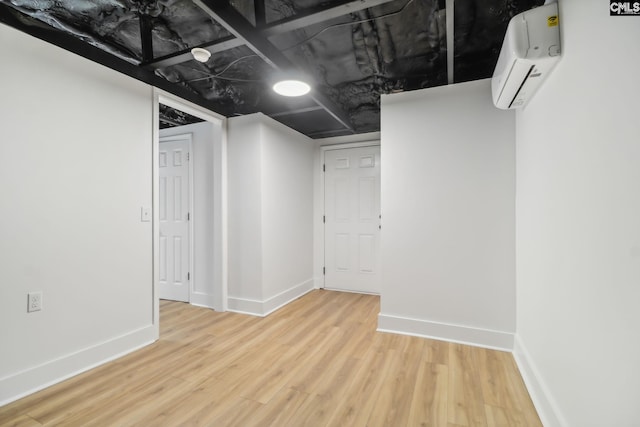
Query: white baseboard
point(545, 405)
point(283, 298)
point(245, 306)
point(486, 338)
point(201, 300)
point(271, 304)
point(28, 381)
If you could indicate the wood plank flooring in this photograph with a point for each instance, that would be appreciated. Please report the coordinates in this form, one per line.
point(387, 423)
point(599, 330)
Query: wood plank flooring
point(316, 362)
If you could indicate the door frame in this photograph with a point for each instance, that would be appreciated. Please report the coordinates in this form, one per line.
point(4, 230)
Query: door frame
point(189, 138)
point(320, 231)
point(166, 98)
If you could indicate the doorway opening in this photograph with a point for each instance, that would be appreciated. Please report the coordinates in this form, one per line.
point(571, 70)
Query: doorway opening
point(189, 188)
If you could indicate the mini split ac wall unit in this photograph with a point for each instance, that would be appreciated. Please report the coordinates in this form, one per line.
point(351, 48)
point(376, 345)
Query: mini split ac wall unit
point(530, 50)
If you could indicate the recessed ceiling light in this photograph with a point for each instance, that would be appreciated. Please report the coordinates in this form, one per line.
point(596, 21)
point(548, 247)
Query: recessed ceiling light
point(200, 54)
point(291, 88)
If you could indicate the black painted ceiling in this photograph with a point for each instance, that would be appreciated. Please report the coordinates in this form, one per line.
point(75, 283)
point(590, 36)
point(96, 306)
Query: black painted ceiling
point(351, 50)
point(170, 117)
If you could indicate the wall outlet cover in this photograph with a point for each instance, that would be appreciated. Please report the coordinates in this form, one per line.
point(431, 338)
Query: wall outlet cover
point(34, 301)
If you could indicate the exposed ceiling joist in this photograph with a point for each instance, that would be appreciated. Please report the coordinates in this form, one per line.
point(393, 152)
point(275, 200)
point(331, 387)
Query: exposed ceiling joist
point(260, 12)
point(303, 19)
point(296, 111)
point(185, 55)
point(325, 134)
point(228, 17)
point(313, 16)
point(170, 121)
point(146, 38)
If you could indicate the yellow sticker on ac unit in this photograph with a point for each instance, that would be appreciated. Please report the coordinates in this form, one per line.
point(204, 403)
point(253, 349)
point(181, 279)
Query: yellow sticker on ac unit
point(552, 21)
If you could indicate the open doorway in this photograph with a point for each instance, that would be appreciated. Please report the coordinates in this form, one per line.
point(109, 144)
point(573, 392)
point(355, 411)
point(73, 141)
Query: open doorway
point(189, 204)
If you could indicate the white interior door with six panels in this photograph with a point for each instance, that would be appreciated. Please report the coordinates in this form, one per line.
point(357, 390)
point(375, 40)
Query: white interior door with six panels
point(174, 218)
point(352, 219)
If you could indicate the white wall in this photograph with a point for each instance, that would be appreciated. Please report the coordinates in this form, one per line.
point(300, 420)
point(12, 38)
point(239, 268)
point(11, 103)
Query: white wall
point(287, 210)
point(244, 164)
point(207, 226)
point(578, 225)
point(447, 240)
point(76, 158)
point(270, 176)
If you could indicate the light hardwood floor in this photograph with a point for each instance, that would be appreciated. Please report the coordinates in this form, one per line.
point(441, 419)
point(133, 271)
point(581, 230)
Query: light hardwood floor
point(318, 361)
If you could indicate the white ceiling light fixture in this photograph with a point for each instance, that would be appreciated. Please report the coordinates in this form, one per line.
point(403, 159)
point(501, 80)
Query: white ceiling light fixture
point(291, 87)
point(200, 54)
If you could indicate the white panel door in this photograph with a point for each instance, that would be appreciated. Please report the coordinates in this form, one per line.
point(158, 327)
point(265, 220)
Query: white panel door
point(174, 218)
point(352, 219)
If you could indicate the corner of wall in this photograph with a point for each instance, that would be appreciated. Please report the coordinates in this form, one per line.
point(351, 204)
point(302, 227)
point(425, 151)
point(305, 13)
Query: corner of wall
point(546, 406)
point(465, 169)
point(202, 300)
point(272, 124)
point(267, 306)
point(478, 337)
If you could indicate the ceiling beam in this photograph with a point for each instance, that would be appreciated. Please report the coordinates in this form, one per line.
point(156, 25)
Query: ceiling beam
point(260, 12)
point(227, 16)
point(167, 120)
point(66, 41)
point(146, 36)
point(221, 45)
point(317, 15)
point(326, 133)
point(296, 111)
point(301, 20)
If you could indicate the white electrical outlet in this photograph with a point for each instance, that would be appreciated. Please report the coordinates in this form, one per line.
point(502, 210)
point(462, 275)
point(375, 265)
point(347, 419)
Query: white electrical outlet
point(34, 301)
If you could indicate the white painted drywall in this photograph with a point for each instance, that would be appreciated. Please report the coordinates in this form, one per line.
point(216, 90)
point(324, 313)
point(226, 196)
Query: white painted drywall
point(270, 170)
point(76, 168)
point(244, 164)
point(287, 208)
point(447, 241)
point(578, 225)
point(207, 224)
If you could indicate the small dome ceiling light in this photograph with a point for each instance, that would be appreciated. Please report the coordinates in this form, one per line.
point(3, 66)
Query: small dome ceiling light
point(200, 54)
point(291, 87)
